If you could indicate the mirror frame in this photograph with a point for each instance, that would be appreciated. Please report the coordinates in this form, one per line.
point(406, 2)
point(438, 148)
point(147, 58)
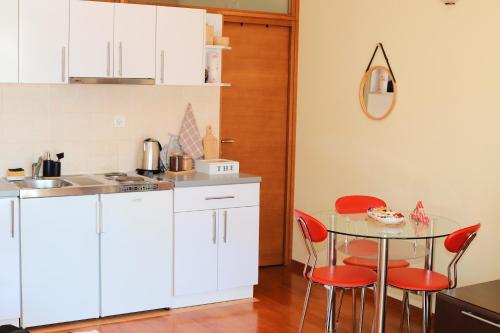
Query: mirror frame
point(364, 80)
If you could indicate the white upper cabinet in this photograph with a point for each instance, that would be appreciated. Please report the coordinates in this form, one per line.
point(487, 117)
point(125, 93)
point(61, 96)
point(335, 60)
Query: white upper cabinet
point(180, 42)
point(43, 41)
point(91, 45)
point(134, 49)
point(9, 41)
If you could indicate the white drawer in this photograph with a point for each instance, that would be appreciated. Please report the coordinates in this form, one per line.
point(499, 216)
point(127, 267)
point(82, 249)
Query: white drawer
point(213, 197)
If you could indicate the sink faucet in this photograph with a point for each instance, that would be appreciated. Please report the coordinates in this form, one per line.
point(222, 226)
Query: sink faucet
point(35, 168)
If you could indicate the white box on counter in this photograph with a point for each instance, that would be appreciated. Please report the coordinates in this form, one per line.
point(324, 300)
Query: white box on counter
point(217, 166)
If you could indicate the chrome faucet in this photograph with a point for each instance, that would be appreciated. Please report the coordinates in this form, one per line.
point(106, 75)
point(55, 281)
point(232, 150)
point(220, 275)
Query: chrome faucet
point(35, 168)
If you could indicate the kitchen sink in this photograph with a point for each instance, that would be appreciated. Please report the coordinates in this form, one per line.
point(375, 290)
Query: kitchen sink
point(44, 183)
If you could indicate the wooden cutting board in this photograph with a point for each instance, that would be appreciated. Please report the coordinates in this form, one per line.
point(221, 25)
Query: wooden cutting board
point(210, 145)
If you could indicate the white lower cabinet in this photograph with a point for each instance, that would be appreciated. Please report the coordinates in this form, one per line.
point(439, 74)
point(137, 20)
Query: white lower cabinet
point(136, 251)
point(60, 259)
point(10, 292)
point(216, 249)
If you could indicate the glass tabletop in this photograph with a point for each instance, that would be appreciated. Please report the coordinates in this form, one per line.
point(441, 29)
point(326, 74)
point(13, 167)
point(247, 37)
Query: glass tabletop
point(361, 225)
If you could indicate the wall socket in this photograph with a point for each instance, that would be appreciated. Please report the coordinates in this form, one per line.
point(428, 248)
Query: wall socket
point(119, 121)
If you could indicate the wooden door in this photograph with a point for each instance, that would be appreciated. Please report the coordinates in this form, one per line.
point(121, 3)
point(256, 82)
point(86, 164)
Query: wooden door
point(254, 113)
point(43, 41)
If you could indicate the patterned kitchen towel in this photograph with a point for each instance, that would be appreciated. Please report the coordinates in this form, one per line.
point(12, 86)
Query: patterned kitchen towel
point(189, 136)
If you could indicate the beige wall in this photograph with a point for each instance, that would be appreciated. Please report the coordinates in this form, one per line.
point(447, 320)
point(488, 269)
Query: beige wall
point(441, 144)
point(78, 119)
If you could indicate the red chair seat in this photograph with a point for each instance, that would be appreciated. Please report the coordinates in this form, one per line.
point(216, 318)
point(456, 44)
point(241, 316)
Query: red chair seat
point(344, 276)
point(373, 263)
point(417, 279)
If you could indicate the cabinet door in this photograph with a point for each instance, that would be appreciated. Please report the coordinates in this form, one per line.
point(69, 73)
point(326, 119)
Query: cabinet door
point(91, 45)
point(195, 252)
point(135, 28)
point(10, 301)
point(60, 260)
point(180, 46)
point(136, 251)
point(9, 40)
point(43, 41)
point(238, 247)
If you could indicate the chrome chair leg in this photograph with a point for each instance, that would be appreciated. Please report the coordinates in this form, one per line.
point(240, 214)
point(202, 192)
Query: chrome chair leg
point(337, 317)
point(408, 311)
point(330, 296)
point(306, 302)
point(354, 326)
point(405, 295)
point(374, 310)
point(362, 309)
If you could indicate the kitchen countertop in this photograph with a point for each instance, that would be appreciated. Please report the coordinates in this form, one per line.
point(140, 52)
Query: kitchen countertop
point(203, 179)
point(7, 189)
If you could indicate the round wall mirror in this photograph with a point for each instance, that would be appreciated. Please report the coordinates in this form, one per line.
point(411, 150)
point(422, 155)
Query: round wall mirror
point(378, 92)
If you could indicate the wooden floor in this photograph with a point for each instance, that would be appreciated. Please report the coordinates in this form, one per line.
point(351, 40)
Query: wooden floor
point(276, 308)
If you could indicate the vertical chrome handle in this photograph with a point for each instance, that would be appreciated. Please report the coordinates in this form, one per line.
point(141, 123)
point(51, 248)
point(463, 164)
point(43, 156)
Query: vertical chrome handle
point(63, 64)
point(120, 59)
point(225, 226)
point(108, 64)
point(98, 217)
point(12, 219)
point(101, 222)
point(214, 227)
point(162, 66)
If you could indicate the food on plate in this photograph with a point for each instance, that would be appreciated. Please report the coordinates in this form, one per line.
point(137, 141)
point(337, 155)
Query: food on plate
point(385, 215)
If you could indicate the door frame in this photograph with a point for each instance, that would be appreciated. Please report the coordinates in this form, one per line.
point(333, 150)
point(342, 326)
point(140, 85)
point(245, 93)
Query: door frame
point(288, 20)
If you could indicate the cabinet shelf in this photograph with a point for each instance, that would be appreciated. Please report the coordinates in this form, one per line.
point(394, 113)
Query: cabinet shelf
point(217, 84)
point(218, 47)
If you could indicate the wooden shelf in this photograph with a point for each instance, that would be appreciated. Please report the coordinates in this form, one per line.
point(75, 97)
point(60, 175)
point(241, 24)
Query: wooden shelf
point(217, 84)
point(218, 47)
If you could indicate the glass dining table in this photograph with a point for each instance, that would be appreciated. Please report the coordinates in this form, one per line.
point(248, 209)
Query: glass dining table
point(355, 226)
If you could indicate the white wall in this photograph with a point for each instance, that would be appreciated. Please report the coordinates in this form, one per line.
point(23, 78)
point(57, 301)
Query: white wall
point(78, 119)
point(441, 143)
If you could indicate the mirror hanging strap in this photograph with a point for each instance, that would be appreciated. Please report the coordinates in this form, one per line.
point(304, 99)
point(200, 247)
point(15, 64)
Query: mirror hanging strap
point(385, 57)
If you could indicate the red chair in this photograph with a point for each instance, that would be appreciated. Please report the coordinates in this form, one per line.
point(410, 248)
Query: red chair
point(422, 281)
point(342, 277)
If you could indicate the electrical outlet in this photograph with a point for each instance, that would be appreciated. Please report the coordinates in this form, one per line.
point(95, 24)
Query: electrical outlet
point(119, 121)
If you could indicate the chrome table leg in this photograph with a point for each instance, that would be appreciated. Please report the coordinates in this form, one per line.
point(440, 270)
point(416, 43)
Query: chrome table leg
point(332, 261)
point(383, 258)
point(426, 297)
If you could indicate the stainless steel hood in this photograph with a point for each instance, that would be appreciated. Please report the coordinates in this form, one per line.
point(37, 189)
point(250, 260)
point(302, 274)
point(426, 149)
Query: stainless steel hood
point(110, 80)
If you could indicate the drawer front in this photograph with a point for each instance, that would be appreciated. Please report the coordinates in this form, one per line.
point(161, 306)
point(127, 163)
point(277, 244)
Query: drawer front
point(215, 197)
point(453, 315)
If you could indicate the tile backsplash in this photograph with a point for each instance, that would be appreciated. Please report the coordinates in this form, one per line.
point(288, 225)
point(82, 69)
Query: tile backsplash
point(79, 120)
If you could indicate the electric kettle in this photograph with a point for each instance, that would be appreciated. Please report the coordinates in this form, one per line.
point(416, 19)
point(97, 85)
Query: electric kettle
point(151, 156)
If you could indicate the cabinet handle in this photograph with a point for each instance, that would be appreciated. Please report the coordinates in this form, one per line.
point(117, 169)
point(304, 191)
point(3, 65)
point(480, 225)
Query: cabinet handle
point(97, 217)
point(227, 141)
point(108, 64)
point(480, 319)
point(63, 64)
point(120, 59)
point(221, 198)
point(12, 220)
point(162, 66)
point(225, 226)
point(214, 227)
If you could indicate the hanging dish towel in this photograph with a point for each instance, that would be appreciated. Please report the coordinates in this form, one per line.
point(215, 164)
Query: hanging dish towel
point(189, 136)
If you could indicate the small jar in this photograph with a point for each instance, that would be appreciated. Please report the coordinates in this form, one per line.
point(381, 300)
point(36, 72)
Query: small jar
point(187, 163)
point(175, 164)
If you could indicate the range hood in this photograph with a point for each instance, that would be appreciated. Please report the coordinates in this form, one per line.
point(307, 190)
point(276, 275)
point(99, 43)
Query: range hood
point(110, 80)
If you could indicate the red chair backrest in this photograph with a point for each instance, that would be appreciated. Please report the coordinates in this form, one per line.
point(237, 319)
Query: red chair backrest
point(354, 204)
point(455, 241)
point(315, 229)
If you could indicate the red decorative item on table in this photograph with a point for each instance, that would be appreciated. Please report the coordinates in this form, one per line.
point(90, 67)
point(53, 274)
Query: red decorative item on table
point(419, 214)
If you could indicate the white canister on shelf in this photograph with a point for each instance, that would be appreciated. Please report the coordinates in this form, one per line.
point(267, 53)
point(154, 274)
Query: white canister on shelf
point(383, 81)
point(213, 60)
